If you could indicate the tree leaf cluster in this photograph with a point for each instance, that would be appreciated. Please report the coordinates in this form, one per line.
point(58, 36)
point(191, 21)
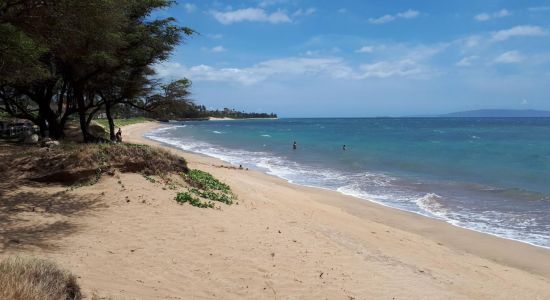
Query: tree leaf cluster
point(71, 59)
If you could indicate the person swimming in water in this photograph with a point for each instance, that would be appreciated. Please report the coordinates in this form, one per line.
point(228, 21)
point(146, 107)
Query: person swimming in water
point(344, 147)
point(294, 146)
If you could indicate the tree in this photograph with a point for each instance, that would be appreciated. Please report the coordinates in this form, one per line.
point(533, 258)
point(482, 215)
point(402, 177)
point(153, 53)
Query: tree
point(173, 102)
point(19, 56)
point(76, 57)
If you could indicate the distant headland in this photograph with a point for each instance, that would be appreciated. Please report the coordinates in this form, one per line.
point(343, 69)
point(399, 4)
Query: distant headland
point(498, 113)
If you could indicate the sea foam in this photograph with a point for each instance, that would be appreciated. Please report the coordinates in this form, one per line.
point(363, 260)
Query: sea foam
point(374, 186)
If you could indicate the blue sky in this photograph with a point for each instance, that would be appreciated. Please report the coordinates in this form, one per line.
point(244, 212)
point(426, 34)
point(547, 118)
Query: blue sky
point(302, 58)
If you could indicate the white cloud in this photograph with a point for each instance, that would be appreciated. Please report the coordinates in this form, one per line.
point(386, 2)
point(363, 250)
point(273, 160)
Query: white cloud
point(218, 49)
point(522, 30)
point(291, 67)
point(408, 14)
point(471, 41)
point(416, 53)
point(365, 49)
point(333, 67)
point(250, 15)
point(396, 60)
point(382, 19)
point(204, 73)
point(469, 44)
point(399, 68)
point(307, 12)
point(342, 10)
point(190, 7)
point(482, 17)
point(466, 61)
point(509, 57)
point(502, 13)
point(488, 16)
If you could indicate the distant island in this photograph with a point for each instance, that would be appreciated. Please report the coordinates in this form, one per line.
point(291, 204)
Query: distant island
point(499, 113)
point(189, 111)
point(201, 112)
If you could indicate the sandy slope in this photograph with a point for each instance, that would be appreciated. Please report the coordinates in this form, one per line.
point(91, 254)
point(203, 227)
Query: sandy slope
point(127, 238)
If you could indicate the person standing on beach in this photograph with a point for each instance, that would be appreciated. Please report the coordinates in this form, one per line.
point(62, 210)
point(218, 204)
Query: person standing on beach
point(119, 136)
point(294, 146)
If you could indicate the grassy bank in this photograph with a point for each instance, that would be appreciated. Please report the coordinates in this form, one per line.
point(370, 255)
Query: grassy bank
point(72, 163)
point(77, 165)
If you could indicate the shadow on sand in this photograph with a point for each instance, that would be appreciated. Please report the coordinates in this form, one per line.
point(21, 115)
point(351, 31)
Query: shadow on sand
point(39, 219)
point(34, 214)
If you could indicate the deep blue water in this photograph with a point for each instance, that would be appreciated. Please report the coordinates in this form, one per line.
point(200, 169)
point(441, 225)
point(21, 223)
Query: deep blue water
point(486, 174)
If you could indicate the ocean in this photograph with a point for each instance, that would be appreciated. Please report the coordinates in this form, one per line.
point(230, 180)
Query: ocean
point(486, 174)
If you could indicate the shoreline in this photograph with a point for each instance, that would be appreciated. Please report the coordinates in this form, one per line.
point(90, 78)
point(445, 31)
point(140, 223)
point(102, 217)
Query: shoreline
point(432, 228)
point(161, 143)
point(237, 119)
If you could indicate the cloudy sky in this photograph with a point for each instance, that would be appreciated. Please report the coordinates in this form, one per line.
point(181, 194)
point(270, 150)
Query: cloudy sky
point(305, 58)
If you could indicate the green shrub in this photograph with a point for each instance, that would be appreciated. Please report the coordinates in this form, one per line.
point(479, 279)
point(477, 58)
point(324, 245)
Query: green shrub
point(205, 186)
point(220, 197)
point(185, 197)
point(205, 181)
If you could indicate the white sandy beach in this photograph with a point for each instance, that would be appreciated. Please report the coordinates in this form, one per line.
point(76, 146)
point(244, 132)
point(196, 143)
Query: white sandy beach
point(282, 241)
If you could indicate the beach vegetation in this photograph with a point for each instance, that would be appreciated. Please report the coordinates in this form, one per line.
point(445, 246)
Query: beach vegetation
point(36, 279)
point(84, 164)
point(220, 197)
point(203, 189)
point(149, 178)
point(134, 158)
point(205, 181)
point(186, 197)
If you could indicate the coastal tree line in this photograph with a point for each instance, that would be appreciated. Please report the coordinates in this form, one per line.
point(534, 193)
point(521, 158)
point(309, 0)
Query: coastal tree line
point(65, 59)
point(232, 113)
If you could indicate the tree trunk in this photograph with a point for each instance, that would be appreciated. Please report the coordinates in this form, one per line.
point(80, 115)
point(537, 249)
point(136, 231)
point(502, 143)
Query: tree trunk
point(91, 116)
point(43, 127)
point(111, 121)
point(83, 126)
point(82, 114)
point(55, 130)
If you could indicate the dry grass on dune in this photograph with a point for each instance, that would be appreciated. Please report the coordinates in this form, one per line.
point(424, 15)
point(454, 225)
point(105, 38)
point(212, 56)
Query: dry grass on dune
point(36, 279)
point(144, 159)
point(73, 163)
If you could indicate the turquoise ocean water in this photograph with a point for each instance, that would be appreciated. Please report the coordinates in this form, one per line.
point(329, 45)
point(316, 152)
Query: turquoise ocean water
point(487, 174)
